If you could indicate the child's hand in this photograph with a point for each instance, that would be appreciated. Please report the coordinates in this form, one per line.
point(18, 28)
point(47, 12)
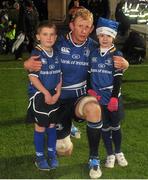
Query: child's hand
point(113, 104)
point(58, 87)
point(48, 98)
point(91, 92)
point(55, 98)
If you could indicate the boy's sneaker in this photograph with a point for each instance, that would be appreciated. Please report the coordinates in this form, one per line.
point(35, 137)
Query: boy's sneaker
point(110, 161)
point(95, 171)
point(42, 164)
point(75, 132)
point(53, 163)
point(121, 159)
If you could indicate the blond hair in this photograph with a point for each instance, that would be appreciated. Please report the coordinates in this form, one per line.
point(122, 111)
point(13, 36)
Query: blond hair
point(83, 13)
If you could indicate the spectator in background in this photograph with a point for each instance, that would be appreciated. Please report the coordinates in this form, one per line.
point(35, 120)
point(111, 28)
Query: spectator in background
point(4, 20)
point(74, 8)
point(84, 3)
point(41, 6)
point(26, 25)
point(10, 36)
point(3, 29)
point(93, 7)
point(124, 22)
point(99, 8)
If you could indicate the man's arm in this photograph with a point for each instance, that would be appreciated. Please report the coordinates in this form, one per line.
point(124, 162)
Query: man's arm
point(33, 63)
point(120, 62)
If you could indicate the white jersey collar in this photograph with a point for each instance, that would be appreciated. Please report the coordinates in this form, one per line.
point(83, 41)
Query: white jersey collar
point(77, 45)
point(49, 54)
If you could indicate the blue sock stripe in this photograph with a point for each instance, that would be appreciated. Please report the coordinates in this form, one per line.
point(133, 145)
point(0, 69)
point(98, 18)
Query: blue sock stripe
point(106, 129)
point(97, 125)
point(115, 128)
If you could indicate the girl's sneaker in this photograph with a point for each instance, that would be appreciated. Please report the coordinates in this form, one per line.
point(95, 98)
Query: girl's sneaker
point(121, 159)
point(110, 161)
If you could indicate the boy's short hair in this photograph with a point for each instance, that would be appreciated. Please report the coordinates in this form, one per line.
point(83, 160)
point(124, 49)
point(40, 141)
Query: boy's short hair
point(44, 24)
point(84, 13)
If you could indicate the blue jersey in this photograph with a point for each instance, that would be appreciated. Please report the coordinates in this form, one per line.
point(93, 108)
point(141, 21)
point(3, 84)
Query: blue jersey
point(103, 73)
point(75, 65)
point(50, 72)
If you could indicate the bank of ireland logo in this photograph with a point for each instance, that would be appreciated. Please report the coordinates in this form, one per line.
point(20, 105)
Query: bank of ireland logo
point(51, 67)
point(75, 56)
point(101, 66)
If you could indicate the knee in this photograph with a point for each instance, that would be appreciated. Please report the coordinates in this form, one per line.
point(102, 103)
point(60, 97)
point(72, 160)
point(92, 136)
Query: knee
point(39, 128)
point(64, 147)
point(79, 110)
point(89, 109)
point(92, 112)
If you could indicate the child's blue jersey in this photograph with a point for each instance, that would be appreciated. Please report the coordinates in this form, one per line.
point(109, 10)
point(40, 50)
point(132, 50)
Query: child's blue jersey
point(75, 65)
point(50, 72)
point(103, 73)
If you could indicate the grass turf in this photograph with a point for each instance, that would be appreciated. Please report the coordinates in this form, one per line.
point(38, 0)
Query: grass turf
point(16, 138)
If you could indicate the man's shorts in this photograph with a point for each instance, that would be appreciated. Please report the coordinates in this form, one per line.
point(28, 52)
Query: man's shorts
point(112, 118)
point(66, 114)
point(41, 113)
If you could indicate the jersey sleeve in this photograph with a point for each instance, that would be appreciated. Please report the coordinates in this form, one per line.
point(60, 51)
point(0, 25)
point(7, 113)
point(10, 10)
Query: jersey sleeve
point(118, 75)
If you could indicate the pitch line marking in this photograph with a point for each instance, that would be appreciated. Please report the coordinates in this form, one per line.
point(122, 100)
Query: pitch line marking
point(20, 68)
point(7, 68)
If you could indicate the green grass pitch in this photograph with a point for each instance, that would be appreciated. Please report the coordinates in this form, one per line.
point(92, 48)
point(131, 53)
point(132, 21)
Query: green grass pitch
point(16, 138)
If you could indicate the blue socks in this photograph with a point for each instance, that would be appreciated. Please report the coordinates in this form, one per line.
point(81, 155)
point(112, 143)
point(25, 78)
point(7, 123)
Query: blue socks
point(51, 142)
point(39, 138)
point(39, 144)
